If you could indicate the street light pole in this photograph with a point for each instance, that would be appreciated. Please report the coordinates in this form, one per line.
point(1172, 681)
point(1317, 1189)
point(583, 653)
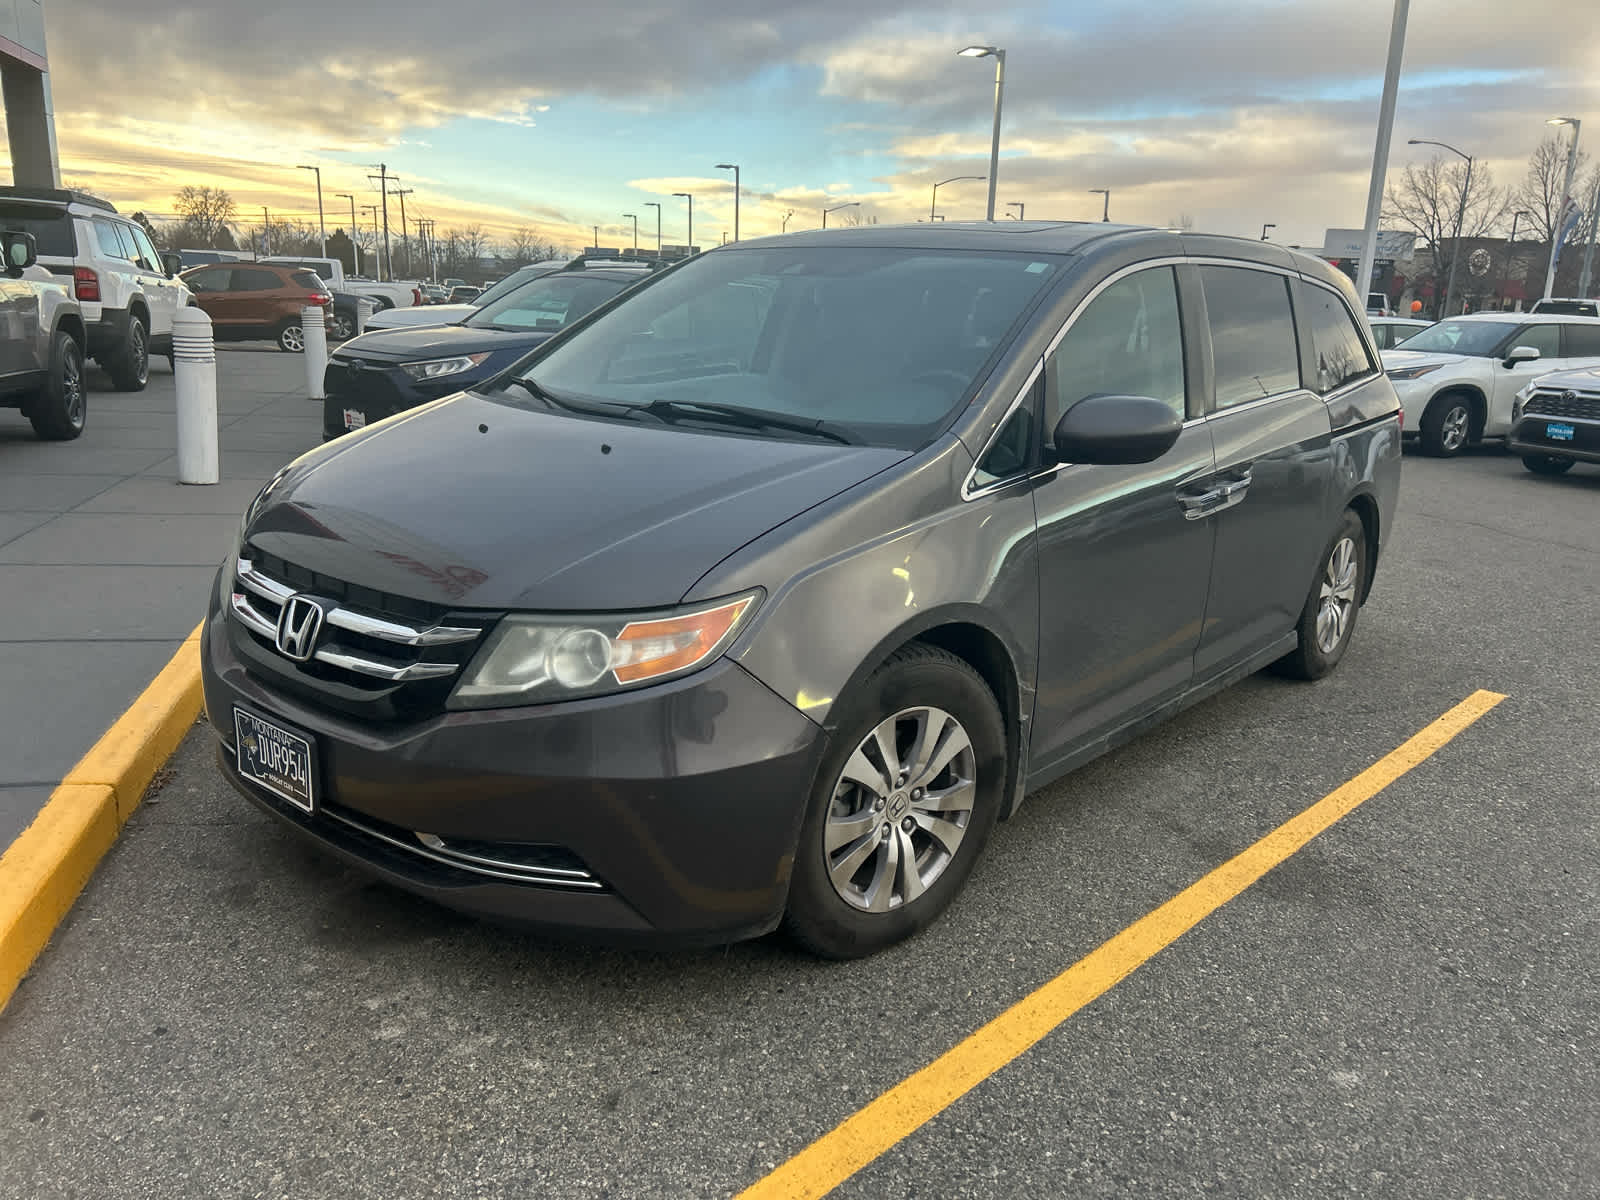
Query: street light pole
point(1105, 214)
point(656, 204)
point(784, 228)
point(1588, 251)
point(1461, 220)
point(266, 233)
point(322, 226)
point(994, 141)
point(628, 216)
point(386, 261)
point(1380, 148)
point(933, 204)
point(836, 208)
point(689, 196)
point(1021, 208)
point(355, 232)
point(734, 167)
point(1264, 229)
point(1561, 203)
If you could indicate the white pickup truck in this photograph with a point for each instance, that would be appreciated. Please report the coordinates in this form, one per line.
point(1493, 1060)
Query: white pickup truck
point(331, 270)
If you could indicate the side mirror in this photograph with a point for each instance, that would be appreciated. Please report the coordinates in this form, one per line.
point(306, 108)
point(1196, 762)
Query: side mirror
point(22, 251)
point(1112, 430)
point(172, 262)
point(1521, 354)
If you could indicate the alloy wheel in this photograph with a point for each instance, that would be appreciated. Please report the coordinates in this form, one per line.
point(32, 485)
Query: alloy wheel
point(292, 339)
point(72, 393)
point(1337, 596)
point(1453, 429)
point(900, 809)
point(138, 352)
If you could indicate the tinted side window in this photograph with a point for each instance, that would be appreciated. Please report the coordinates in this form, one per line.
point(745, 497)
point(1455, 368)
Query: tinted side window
point(1340, 353)
point(105, 232)
point(1583, 341)
point(1127, 342)
point(214, 279)
point(1252, 334)
point(254, 279)
point(1546, 339)
point(147, 250)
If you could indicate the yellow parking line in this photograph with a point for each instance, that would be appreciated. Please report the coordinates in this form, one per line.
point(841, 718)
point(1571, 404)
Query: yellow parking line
point(904, 1108)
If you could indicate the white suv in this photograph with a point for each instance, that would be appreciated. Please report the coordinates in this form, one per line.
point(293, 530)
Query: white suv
point(1457, 379)
point(127, 292)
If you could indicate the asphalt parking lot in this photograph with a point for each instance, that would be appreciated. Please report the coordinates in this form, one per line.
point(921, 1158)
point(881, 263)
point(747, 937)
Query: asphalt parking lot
point(1405, 1007)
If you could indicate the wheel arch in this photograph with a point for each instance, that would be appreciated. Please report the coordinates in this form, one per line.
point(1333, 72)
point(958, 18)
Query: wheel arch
point(1478, 401)
point(966, 632)
point(1364, 504)
point(72, 322)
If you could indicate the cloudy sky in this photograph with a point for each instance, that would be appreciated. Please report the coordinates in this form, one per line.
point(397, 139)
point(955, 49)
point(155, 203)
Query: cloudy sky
point(563, 116)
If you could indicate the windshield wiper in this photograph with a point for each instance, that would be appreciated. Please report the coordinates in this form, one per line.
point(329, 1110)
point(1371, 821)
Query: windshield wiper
point(748, 418)
point(593, 408)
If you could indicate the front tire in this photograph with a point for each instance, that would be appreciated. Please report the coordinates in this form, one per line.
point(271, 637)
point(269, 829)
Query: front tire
point(1547, 464)
point(129, 367)
point(1446, 425)
point(340, 327)
point(291, 337)
point(1329, 618)
point(60, 410)
point(903, 803)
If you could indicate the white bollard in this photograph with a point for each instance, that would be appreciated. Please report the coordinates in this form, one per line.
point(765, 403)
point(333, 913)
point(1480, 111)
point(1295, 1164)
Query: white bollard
point(314, 333)
point(194, 368)
point(364, 309)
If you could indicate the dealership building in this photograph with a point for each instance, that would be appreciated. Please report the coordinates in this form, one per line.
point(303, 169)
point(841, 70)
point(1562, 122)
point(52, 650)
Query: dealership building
point(25, 81)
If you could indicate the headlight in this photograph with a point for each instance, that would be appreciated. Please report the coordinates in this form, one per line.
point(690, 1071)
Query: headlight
point(1412, 372)
point(436, 368)
point(532, 659)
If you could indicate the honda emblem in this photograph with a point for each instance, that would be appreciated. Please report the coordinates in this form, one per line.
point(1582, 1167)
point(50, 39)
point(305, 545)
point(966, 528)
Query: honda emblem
point(299, 625)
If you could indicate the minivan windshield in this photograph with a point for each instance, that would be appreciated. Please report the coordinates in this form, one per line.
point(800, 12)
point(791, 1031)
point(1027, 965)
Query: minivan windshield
point(1477, 338)
point(880, 343)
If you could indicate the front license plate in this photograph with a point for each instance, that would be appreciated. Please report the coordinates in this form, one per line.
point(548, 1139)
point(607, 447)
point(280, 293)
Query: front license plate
point(1558, 431)
point(276, 758)
point(354, 418)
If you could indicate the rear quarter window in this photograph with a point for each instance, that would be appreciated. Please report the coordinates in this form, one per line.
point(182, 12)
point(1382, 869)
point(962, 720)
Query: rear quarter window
point(51, 228)
point(1339, 352)
point(1583, 341)
point(309, 279)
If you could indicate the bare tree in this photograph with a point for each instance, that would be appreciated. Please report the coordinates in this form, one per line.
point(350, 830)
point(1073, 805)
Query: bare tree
point(1183, 221)
point(1428, 200)
point(522, 249)
point(205, 211)
point(1539, 193)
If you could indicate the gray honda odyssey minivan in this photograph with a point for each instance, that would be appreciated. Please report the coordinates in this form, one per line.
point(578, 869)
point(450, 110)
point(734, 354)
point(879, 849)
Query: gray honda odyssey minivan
point(757, 596)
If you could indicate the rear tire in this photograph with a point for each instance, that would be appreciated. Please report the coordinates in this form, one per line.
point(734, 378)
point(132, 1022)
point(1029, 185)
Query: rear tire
point(1547, 464)
point(340, 327)
point(129, 367)
point(291, 337)
point(887, 845)
point(1329, 618)
point(1446, 425)
point(58, 413)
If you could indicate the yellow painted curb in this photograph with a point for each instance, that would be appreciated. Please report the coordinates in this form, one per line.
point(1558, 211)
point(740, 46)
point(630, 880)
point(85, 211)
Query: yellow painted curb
point(43, 871)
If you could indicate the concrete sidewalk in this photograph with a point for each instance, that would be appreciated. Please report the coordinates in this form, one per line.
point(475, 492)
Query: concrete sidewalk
point(105, 558)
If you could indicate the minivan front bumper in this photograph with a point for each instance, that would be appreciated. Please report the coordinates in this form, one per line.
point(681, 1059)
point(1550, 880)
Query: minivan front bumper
point(674, 809)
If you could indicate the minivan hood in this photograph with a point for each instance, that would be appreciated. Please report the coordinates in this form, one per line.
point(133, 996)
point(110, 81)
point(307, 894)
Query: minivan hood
point(435, 341)
point(477, 503)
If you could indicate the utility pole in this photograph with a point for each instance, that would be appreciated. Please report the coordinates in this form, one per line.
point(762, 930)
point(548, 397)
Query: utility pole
point(405, 238)
point(377, 250)
point(383, 187)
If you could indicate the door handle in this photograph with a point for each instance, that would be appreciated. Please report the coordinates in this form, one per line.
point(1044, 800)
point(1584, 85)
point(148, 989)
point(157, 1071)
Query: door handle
point(1236, 487)
point(1199, 505)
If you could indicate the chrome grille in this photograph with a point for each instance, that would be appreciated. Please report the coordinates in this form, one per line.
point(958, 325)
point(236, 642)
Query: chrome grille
point(368, 645)
point(1566, 403)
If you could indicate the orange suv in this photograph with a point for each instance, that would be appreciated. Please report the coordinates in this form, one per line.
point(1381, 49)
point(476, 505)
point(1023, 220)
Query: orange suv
point(247, 300)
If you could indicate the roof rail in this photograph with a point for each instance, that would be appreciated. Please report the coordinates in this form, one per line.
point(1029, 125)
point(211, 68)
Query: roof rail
point(55, 196)
point(583, 261)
